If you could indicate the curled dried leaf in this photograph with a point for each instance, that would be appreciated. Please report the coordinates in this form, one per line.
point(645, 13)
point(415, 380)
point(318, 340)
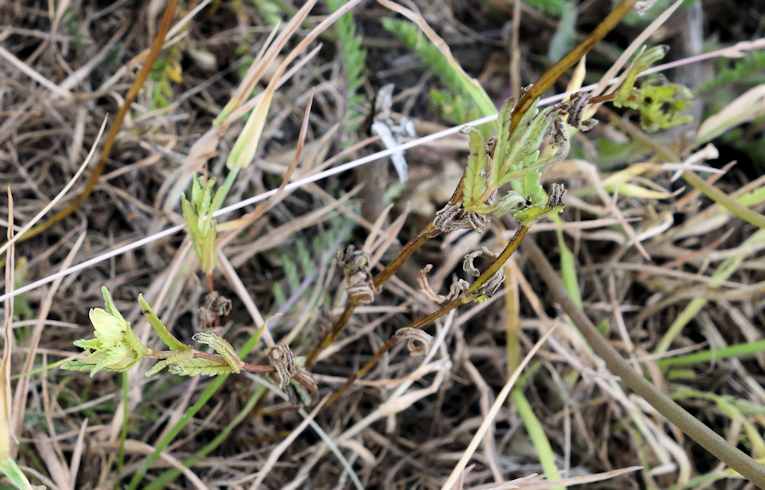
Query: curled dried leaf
point(454, 217)
point(292, 377)
point(492, 286)
point(282, 360)
point(422, 280)
point(575, 110)
point(457, 287)
point(557, 196)
point(357, 276)
point(468, 262)
point(418, 343)
point(216, 307)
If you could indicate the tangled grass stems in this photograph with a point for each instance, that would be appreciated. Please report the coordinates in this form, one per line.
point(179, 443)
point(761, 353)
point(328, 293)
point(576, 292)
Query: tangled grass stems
point(114, 129)
point(466, 297)
point(668, 408)
point(730, 51)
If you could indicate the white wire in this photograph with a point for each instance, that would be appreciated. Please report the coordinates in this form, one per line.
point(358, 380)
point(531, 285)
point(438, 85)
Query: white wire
point(327, 173)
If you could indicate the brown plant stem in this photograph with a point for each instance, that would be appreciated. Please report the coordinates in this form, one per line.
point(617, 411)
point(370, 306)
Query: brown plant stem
point(412, 246)
point(673, 412)
point(546, 81)
point(114, 129)
point(549, 77)
point(423, 322)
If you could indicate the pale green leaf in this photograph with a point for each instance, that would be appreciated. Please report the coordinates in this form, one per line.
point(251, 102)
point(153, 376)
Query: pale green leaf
point(475, 179)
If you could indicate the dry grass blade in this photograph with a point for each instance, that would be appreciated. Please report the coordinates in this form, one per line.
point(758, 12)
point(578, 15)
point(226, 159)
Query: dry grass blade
point(459, 468)
point(60, 195)
point(535, 484)
point(119, 119)
point(22, 385)
point(7, 437)
point(34, 75)
point(378, 156)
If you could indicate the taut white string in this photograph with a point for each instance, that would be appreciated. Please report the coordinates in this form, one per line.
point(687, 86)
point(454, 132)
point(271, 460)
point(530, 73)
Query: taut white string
point(732, 51)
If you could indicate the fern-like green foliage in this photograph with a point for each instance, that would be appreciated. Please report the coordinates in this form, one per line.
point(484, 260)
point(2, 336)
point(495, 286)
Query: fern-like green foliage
point(750, 70)
point(660, 104)
point(354, 57)
point(464, 98)
point(516, 159)
point(455, 108)
point(299, 261)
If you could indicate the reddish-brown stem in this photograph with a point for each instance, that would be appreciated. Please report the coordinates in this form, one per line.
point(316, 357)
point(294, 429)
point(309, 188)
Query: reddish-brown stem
point(423, 322)
point(412, 246)
point(210, 282)
point(546, 81)
point(111, 137)
point(549, 77)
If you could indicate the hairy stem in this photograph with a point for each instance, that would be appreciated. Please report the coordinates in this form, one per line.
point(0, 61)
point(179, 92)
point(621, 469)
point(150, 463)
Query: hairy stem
point(673, 412)
point(249, 367)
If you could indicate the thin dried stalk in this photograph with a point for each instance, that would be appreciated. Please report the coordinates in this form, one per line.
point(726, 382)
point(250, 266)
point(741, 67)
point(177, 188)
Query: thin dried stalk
point(677, 415)
point(423, 322)
point(135, 88)
point(537, 89)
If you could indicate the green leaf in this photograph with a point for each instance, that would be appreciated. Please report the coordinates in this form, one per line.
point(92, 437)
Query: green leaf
point(565, 35)
point(504, 136)
point(475, 180)
point(447, 70)
point(159, 327)
point(643, 60)
point(199, 367)
point(510, 202)
point(11, 470)
point(353, 57)
point(221, 347)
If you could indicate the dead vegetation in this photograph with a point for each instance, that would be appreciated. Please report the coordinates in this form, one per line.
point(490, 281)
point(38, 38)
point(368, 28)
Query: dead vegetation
point(436, 354)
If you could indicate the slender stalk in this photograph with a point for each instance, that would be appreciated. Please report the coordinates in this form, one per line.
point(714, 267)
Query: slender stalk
point(412, 246)
point(737, 350)
point(423, 322)
point(249, 367)
point(119, 119)
point(549, 77)
point(125, 420)
point(739, 211)
point(673, 412)
point(168, 476)
point(518, 399)
point(546, 81)
point(537, 435)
